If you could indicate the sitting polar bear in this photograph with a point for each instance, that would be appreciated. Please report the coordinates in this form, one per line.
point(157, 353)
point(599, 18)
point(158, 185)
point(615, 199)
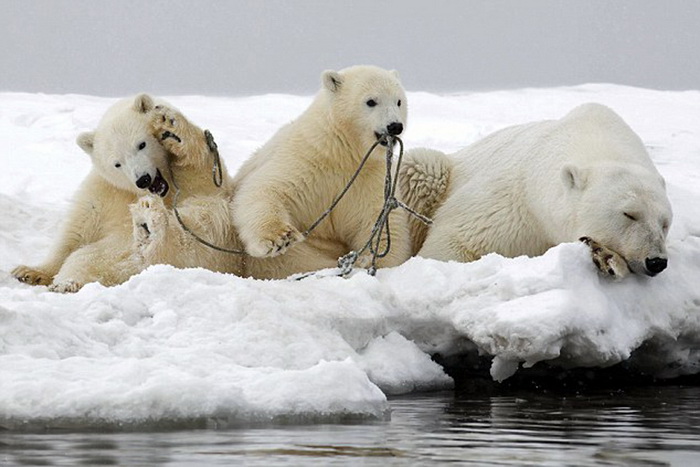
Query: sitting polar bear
point(114, 229)
point(529, 187)
point(288, 183)
point(96, 242)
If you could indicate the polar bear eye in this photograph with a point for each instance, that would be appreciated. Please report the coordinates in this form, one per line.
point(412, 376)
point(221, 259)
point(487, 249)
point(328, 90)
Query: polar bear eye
point(630, 216)
point(117, 165)
point(371, 103)
point(399, 103)
point(142, 145)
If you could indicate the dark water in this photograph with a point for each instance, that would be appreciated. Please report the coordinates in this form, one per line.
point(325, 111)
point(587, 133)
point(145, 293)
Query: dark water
point(641, 426)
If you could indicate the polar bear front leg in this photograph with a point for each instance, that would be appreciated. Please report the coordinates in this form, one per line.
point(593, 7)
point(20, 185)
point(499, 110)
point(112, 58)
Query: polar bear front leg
point(179, 136)
point(609, 263)
point(269, 237)
point(264, 224)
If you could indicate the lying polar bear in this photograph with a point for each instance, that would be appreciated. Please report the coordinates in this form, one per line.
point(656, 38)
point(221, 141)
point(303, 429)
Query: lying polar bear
point(529, 187)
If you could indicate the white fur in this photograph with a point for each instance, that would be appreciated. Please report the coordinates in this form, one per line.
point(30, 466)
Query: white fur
point(527, 188)
point(289, 182)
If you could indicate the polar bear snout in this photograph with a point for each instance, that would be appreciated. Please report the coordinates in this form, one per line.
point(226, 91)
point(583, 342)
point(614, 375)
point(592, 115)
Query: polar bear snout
point(144, 181)
point(394, 128)
point(650, 266)
point(655, 265)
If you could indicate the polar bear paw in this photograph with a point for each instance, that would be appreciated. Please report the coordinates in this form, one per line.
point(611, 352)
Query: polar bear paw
point(68, 286)
point(150, 219)
point(167, 127)
point(32, 276)
point(276, 242)
point(609, 263)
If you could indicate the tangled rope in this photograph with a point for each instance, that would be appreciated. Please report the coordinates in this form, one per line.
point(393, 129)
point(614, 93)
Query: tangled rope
point(347, 262)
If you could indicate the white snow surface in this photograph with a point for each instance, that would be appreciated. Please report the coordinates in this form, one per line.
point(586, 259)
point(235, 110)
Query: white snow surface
point(172, 345)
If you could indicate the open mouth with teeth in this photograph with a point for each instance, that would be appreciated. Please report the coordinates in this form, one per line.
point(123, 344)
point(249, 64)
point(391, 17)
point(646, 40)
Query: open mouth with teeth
point(159, 186)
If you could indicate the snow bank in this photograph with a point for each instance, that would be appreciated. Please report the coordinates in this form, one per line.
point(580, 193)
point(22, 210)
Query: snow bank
point(193, 346)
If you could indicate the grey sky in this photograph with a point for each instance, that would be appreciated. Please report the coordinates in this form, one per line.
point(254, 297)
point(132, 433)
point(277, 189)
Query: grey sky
point(120, 47)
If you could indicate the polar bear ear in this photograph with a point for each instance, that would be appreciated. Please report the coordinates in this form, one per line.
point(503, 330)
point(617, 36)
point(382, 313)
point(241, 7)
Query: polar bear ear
point(86, 141)
point(396, 74)
point(574, 177)
point(331, 80)
point(143, 103)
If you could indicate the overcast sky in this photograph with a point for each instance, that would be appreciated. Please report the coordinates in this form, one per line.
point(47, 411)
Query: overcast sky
point(241, 47)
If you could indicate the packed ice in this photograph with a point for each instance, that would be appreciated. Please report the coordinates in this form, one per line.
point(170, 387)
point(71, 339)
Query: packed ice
point(175, 345)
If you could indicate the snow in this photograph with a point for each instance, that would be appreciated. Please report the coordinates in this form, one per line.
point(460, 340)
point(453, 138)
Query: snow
point(191, 345)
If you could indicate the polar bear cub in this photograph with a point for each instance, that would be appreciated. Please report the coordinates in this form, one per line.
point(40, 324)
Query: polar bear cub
point(529, 187)
point(289, 182)
point(96, 241)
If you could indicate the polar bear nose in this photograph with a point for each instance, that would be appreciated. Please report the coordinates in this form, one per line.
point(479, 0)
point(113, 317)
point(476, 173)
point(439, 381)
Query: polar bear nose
point(394, 128)
point(655, 265)
point(144, 181)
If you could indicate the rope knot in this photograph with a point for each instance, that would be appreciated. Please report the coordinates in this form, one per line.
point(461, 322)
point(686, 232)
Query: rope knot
point(347, 262)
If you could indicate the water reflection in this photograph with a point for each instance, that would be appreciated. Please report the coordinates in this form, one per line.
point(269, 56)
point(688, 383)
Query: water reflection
point(642, 426)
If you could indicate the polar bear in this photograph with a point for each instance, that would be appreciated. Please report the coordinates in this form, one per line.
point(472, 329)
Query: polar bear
point(290, 181)
point(96, 240)
point(529, 187)
point(203, 189)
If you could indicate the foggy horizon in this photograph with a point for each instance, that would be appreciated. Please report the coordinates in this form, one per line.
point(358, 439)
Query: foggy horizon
point(114, 48)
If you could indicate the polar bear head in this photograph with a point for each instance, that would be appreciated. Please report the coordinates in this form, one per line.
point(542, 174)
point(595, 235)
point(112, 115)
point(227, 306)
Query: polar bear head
point(123, 150)
point(625, 208)
point(366, 102)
